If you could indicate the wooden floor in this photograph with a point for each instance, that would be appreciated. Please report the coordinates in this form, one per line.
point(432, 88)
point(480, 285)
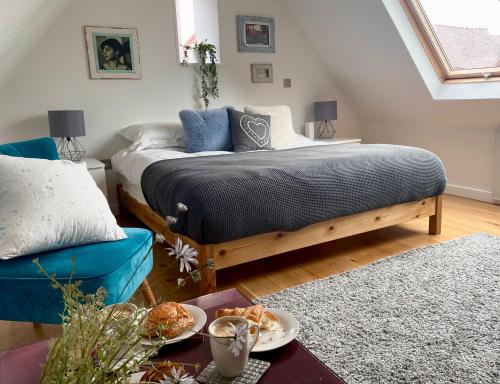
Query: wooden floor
point(460, 217)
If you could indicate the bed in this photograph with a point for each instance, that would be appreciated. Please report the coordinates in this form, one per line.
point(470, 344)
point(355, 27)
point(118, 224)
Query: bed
point(294, 197)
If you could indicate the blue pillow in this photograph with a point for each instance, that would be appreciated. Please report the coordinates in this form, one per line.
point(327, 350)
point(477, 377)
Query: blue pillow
point(206, 130)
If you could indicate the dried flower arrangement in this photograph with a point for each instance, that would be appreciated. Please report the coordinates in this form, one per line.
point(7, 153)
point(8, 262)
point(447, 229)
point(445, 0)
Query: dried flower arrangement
point(102, 344)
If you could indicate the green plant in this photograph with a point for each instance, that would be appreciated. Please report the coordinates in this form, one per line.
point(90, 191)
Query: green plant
point(208, 70)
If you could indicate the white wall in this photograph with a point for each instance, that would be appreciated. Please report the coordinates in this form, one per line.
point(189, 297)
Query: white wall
point(362, 48)
point(22, 24)
point(55, 74)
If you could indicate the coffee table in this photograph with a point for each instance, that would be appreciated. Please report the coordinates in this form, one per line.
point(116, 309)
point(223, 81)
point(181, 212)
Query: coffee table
point(292, 363)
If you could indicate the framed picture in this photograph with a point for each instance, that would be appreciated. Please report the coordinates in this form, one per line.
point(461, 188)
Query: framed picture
point(113, 53)
point(262, 73)
point(255, 34)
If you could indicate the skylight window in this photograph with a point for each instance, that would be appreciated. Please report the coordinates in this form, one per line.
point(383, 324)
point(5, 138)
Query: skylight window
point(461, 37)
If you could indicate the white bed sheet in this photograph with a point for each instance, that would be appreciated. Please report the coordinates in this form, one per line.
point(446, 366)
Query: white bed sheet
point(131, 164)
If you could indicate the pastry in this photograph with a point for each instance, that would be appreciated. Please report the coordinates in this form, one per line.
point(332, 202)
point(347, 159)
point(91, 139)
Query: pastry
point(168, 320)
point(253, 313)
point(264, 319)
point(269, 321)
point(160, 371)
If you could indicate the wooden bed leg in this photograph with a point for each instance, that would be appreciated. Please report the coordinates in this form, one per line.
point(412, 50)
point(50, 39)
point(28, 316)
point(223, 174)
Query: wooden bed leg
point(147, 292)
point(435, 220)
point(208, 281)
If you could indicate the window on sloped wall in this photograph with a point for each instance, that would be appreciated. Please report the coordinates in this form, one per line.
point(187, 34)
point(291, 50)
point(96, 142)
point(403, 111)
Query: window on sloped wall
point(197, 20)
point(461, 37)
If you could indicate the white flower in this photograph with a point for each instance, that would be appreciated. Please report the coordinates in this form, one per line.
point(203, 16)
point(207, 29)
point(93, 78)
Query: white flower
point(159, 238)
point(177, 378)
point(182, 207)
point(184, 254)
point(171, 220)
point(240, 338)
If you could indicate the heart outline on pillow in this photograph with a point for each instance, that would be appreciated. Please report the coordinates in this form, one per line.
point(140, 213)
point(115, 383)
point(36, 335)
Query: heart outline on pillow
point(251, 125)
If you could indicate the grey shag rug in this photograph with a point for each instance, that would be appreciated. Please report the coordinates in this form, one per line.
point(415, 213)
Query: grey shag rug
point(429, 315)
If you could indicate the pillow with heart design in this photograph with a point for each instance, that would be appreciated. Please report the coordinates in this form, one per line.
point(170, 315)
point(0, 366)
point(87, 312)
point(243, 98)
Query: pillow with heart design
point(249, 132)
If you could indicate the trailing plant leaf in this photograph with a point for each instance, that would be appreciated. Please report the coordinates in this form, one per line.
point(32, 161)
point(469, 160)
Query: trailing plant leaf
point(208, 71)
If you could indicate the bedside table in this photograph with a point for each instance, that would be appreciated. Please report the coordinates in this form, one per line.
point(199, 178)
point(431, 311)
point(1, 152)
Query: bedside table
point(340, 140)
point(96, 170)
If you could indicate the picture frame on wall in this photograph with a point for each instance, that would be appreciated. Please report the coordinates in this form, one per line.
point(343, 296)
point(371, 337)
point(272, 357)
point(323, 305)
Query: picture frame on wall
point(113, 53)
point(262, 73)
point(256, 34)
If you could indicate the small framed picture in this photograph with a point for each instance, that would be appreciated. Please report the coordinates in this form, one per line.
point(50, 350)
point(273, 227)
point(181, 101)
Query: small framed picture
point(262, 73)
point(113, 53)
point(255, 34)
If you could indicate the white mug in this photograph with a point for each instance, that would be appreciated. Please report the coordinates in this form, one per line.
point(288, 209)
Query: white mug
point(227, 364)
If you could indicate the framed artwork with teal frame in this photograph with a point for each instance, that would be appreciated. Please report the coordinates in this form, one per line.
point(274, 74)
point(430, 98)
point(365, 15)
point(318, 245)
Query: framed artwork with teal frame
point(256, 34)
point(113, 53)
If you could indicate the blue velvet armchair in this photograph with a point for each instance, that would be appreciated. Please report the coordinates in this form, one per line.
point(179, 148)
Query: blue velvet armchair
point(27, 295)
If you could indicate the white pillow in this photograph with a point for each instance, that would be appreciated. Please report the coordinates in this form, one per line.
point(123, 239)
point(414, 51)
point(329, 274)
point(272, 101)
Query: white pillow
point(50, 204)
point(282, 133)
point(153, 135)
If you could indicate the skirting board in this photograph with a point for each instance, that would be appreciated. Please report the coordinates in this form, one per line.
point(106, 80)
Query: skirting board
point(470, 193)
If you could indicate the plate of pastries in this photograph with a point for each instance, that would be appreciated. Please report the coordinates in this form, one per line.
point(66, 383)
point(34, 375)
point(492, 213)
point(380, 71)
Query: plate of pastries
point(172, 322)
point(277, 327)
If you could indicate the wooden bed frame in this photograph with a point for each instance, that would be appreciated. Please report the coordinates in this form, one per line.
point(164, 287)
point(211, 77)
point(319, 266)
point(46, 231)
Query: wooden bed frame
point(272, 243)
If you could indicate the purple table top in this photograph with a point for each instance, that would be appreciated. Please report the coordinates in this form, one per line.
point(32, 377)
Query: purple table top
point(291, 363)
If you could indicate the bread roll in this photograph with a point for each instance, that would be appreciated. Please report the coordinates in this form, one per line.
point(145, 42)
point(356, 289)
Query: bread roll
point(168, 320)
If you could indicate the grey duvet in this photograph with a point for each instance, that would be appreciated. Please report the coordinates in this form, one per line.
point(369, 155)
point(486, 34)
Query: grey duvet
point(244, 194)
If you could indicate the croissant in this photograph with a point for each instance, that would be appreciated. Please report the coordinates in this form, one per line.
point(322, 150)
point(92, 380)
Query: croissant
point(168, 320)
point(253, 313)
point(269, 320)
point(160, 371)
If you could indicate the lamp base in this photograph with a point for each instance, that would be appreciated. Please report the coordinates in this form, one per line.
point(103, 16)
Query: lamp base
point(325, 130)
point(70, 149)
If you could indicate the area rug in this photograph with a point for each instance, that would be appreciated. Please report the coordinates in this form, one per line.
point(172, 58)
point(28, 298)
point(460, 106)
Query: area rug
point(429, 315)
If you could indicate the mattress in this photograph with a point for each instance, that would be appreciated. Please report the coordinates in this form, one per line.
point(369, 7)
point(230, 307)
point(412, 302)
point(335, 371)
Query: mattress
point(232, 196)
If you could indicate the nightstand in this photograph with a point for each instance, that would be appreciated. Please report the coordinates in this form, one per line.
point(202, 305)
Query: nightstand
point(96, 170)
point(340, 140)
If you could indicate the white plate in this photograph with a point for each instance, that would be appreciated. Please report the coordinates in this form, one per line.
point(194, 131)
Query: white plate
point(200, 318)
point(289, 329)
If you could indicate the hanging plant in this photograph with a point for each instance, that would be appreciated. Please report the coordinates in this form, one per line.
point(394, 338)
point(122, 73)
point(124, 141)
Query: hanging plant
point(208, 70)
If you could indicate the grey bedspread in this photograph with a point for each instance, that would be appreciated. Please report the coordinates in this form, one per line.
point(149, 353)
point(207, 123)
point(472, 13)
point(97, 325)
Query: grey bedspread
point(244, 194)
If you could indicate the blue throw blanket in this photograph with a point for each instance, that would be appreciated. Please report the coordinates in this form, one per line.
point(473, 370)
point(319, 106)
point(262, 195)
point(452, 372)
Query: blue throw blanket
point(244, 194)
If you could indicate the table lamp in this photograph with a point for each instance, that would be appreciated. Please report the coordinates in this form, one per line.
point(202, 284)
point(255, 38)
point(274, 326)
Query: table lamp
point(68, 125)
point(325, 112)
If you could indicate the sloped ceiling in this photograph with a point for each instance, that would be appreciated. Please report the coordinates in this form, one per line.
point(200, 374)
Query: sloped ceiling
point(22, 24)
point(361, 46)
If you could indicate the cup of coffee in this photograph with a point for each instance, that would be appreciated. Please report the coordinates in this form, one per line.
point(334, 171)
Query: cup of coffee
point(222, 332)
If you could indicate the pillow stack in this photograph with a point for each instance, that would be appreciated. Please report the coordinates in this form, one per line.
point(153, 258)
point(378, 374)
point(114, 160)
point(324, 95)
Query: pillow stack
point(50, 204)
point(225, 129)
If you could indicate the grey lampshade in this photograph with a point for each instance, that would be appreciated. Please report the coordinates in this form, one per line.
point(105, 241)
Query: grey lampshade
point(66, 123)
point(325, 110)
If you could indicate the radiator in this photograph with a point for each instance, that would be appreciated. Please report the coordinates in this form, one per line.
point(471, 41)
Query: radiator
point(496, 175)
